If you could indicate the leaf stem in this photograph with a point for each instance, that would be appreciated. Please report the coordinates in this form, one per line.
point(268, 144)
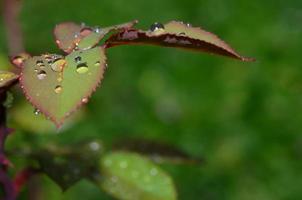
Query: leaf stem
point(5, 181)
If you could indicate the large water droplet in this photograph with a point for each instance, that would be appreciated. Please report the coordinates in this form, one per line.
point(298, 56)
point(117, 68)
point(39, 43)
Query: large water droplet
point(78, 59)
point(58, 89)
point(157, 26)
point(58, 65)
point(82, 68)
point(41, 75)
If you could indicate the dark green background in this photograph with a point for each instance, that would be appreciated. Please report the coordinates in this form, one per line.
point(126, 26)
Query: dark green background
point(244, 119)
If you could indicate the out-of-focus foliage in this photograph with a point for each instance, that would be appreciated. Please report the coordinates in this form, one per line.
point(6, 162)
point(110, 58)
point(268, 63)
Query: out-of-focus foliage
point(129, 176)
point(245, 119)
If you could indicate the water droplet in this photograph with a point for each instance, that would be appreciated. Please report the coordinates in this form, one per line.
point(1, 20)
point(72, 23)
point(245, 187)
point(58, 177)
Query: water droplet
point(189, 25)
point(94, 146)
point(36, 111)
point(48, 58)
point(58, 65)
point(156, 27)
point(58, 89)
point(97, 63)
point(85, 100)
point(78, 59)
point(41, 75)
point(40, 63)
point(97, 29)
point(82, 68)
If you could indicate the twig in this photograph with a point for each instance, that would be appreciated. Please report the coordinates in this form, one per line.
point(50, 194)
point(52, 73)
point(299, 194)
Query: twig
point(11, 9)
point(5, 181)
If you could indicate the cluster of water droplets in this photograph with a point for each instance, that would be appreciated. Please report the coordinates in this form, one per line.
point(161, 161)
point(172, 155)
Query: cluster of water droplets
point(56, 63)
point(158, 28)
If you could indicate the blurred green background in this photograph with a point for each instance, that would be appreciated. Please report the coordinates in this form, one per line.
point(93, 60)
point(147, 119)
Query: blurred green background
point(244, 119)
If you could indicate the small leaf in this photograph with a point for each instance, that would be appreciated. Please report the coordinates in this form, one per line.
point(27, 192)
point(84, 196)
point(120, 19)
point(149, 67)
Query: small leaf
point(57, 86)
point(158, 152)
point(66, 35)
point(129, 176)
point(7, 78)
point(177, 35)
point(70, 36)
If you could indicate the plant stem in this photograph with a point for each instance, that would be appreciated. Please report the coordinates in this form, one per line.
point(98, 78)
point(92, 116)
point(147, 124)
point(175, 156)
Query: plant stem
point(5, 181)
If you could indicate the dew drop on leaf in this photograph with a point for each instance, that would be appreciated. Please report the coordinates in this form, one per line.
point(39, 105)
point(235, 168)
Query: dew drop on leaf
point(36, 111)
point(97, 63)
point(78, 59)
point(157, 26)
point(58, 89)
point(82, 68)
point(39, 63)
point(58, 65)
point(41, 75)
point(97, 30)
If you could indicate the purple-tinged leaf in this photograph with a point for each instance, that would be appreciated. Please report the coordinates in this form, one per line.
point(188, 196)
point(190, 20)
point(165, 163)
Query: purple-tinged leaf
point(7, 78)
point(177, 35)
point(58, 85)
point(70, 36)
point(66, 35)
point(158, 152)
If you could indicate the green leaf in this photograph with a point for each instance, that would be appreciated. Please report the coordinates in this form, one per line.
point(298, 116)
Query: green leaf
point(70, 36)
point(7, 78)
point(177, 35)
point(57, 86)
point(24, 116)
point(129, 176)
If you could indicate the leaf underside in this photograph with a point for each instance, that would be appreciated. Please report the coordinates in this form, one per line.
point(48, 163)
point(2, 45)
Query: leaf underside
point(71, 36)
point(58, 85)
point(178, 35)
point(129, 176)
point(158, 152)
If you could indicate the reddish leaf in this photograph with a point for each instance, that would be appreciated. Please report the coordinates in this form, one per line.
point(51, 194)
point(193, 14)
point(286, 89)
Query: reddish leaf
point(57, 86)
point(70, 36)
point(178, 35)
